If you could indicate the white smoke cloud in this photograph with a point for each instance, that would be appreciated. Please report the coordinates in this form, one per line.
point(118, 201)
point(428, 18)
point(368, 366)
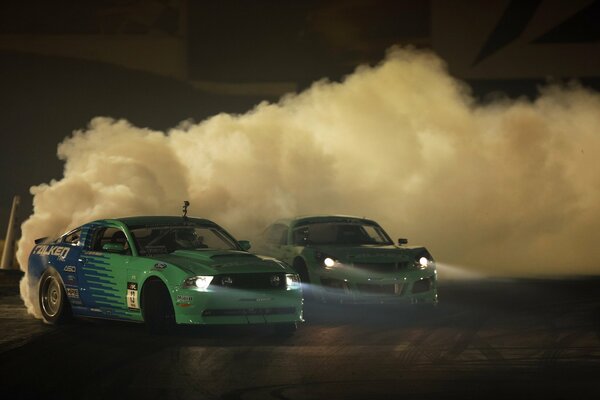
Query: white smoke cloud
point(505, 188)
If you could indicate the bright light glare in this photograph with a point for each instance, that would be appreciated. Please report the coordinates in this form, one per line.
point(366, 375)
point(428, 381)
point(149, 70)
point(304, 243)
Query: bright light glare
point(292, 280)
point(424, 262)
point(329, 262)
point(202, 282)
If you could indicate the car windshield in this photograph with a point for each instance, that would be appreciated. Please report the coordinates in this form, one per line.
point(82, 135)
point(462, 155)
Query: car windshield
point(340, 233)
point(167, 239)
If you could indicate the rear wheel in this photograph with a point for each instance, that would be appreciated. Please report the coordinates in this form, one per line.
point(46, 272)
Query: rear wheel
point(157, 307)
point(53, 300)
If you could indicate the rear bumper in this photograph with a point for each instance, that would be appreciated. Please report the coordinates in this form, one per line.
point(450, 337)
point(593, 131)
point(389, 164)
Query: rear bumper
point(230, 306)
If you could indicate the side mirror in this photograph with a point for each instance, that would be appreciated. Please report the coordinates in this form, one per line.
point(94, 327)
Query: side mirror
point(114, 248)
point(402, 241)
point(244, 244)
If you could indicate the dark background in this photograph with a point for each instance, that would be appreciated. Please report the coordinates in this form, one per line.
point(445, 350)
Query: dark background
point(65, 62)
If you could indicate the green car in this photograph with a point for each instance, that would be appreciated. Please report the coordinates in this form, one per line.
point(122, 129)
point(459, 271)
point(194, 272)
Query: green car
point(162, 271)
point(351, 259)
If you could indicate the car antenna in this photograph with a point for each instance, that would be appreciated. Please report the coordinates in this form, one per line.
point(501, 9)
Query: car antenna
point(186, 204)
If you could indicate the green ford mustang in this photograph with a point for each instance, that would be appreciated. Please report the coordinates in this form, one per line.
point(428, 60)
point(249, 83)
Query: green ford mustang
point(161, 271)
point(350, 259)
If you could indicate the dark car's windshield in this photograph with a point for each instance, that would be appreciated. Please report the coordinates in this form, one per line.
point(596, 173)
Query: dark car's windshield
point(167, 239)
point(340, 233)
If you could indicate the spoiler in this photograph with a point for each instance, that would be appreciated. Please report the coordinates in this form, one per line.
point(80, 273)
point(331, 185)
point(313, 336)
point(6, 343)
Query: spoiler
point(41, 240)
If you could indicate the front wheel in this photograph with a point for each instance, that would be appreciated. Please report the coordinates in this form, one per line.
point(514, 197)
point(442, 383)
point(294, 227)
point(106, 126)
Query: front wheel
point(53, 300)
point(157, 308)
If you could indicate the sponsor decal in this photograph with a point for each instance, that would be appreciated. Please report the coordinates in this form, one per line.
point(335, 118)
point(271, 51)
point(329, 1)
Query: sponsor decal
point(259, 299)
point(184, 299)
point(160, 266)
point(132, 296)
point(47, 250)
point(70, 268)
point(73, 293)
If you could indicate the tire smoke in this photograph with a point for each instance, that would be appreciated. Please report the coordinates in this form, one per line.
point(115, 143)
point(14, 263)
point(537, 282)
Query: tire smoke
point(506, 188)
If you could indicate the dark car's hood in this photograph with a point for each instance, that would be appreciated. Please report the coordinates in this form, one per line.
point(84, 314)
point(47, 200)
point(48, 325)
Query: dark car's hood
point(213, 262)
point(367, 253)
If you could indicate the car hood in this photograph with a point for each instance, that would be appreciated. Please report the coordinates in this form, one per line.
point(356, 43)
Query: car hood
point(213, 262)
point(367, 253)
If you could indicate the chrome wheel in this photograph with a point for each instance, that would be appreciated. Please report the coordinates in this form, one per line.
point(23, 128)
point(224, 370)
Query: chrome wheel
point(51, 296)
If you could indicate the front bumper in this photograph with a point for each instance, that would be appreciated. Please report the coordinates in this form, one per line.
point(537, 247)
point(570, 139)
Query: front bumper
point(225, 306)
point(416, 287)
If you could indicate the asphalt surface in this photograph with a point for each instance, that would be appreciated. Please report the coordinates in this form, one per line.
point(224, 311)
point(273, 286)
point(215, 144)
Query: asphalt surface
point(526, 339)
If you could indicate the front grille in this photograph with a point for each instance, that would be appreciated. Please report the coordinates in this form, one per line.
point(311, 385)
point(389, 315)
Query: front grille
point(423, 285)
point(231, 312)
point(269, 280)
point(377, 267)
point(387, 289)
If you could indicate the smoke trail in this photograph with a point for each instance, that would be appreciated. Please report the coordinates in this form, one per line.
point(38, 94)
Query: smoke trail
point(507, 188)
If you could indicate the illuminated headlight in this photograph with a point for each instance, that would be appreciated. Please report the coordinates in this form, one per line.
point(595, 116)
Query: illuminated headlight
point(197, 282)
point(326, 260)
point(423, 262)
point(292, 281)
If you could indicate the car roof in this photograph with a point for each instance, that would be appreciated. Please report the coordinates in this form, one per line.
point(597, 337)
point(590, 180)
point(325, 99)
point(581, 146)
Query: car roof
point(161, 220)
point(307, 219)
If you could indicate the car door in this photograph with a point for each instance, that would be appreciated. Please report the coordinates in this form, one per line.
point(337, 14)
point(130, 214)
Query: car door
point(103, 274)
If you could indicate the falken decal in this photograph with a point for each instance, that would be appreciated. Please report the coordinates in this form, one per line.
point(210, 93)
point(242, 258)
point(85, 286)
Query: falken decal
point(73, 293)
point(46, 250)
point(132, 296)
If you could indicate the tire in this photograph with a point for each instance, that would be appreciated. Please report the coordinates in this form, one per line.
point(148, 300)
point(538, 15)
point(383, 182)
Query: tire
point(157, 308)
point(286, 329)
point(300, 268)
point(53, 302)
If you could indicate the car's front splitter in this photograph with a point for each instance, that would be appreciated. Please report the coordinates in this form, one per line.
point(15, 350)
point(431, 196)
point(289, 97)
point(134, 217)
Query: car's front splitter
point(417, 288)
point(231, 306)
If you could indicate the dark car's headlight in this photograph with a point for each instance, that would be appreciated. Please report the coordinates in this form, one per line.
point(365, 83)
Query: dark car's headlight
point(197, 282)
point(326, 261)
point(423, 260)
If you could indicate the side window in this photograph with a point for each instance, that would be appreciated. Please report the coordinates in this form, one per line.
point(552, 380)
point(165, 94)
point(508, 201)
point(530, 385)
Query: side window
point(110, 235)
point(300, 236)
point(72, 238)
point(277, 234)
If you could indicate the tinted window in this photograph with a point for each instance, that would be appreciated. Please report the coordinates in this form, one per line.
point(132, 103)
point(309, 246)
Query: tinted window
point(73, 237)
point(110, 235)
point(167, 239)
point(342, 233)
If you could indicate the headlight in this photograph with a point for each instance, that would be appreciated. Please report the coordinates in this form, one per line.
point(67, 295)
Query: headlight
point(292, 281)
point(326, 260)
point(423, 262)
point(197, 282)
